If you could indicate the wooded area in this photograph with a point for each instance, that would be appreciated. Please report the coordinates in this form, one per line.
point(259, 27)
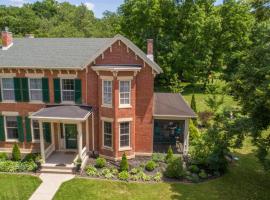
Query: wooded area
point(196, 41)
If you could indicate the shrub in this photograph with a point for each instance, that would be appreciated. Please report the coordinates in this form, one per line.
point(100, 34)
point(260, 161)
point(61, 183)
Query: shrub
point(134, 177)
point(158, 157)
point(105, 171)
point(32, 157)
point(124, 163)
point(169, 155)
point(194, 108)
point(3, 156)
point(109, 175)
point(114, 171)
point(217, 161)
point(203, 175)
point(205, 118)
point(194, 169)
point(193, 131)
point(100, 163)
point(91, 170)
point(124, 176)
point(174, 168)
point(15, 166)
point(135, 171)
point(28, 166)
point(150, 165)
point(142, 176)
point(157, 177)
point(16, 153)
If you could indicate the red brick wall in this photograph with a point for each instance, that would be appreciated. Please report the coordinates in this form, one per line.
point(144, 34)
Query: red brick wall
point(141, 101)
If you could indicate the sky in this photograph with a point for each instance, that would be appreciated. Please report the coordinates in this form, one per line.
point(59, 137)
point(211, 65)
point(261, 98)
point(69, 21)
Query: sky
point(97, 6)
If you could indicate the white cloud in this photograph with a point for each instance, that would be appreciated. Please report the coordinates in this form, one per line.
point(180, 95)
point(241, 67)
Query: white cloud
point(18, 3)
point(89, 5)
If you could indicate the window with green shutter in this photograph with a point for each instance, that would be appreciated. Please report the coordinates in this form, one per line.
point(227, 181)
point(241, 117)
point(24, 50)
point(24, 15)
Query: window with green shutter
point(17, 89)
point(24, 89)
point(28, 129)
point(20, 129)
point(78, 91)
point(2, 129)
point(47, 132)
point(57, 90)
point(45, 90)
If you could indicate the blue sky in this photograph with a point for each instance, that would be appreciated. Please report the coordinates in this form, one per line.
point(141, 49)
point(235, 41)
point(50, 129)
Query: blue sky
point(98, 6)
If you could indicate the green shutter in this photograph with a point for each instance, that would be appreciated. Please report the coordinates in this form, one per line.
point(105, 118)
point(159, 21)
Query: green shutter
point(47, 131)
point(45, 90)
point(17, 89)
point(25, 90)
point(28, 129)
point(57, 90)
point(2, 129)
point(0, 91)
point(20, 129)
point(78, 91)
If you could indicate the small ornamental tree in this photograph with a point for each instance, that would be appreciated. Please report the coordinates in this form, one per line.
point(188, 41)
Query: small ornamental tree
point(194, 108)
point(169, 155)
point(124, 163)
point(16, 153)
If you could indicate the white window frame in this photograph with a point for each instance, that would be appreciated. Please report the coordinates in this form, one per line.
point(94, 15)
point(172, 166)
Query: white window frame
point(29, 89)
point(2, 89)
point(125, 148)
point(103, 103)
point(125, 105)
point(61, 89)
point(5, 124)
point(103, 134)
point(32, 132)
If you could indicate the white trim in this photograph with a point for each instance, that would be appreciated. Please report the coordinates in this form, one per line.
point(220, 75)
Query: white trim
point(67, 76)
point(107, 78)
point(7, 113)
point(130, 93)
point(7, 75)
point(6, 48)
point(34, 75)
point(125, 148)
point(32, 132)
point(130, 119)
point(172, 117)
point(125, 78)
point(107, 119)
point(102, 88)
point(143, 154)
point(115, 68)
point(103, 146)
point(93, 132)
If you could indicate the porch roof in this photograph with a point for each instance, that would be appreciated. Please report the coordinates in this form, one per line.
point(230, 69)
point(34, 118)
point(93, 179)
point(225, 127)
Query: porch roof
point(63, 112)
point(171, 105)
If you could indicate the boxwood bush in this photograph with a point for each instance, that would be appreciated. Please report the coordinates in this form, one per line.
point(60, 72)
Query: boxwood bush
point(150, 165)
point(100, 163)
point(174, 168)
point(124, 176)
point(3, 156)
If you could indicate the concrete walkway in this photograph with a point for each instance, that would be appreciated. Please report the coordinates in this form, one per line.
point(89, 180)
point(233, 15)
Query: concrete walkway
point(49, 186)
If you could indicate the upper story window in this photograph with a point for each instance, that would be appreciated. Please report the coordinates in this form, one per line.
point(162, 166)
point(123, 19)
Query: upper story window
point(8, 89)
point(12, 128)
point(35, 130)
point(68, 90)
point(35, 89)
point(125, 93)
point(124, 134)
point(107, 93)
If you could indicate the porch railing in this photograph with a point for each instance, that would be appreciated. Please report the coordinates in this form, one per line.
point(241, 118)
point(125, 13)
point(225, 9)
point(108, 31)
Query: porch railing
point(49, 151)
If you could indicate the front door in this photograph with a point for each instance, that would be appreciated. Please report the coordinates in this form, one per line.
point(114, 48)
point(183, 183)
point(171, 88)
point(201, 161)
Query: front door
point(71, 136)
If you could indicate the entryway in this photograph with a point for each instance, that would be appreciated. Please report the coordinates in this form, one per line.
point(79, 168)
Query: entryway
point(70, 131)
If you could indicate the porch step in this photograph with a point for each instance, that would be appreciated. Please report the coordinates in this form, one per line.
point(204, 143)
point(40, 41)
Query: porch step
point(57, 170)
point(47, 166)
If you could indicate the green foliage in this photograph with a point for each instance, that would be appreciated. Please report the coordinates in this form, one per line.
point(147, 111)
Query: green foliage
point(158, 157)
point(16, 153)
point(124, 176)
point(100, 162)
point(174, 169)
point(193, 103)
point(3, 156)
point(194, 132)
point(32, 157)
point(203, 174)
point(135, 171)
point(194, 169)
point(150, 165)
point(157, 177)
point(169, 155)
point(91, 170)
point(16, 166)
point(124, 163)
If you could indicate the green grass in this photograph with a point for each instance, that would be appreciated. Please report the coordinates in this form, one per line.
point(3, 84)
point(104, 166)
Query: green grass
point(17, 187)
point(245, 180)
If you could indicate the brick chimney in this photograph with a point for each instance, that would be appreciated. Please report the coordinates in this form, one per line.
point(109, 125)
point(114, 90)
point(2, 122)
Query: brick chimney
point(150, 49)
point(7, 40)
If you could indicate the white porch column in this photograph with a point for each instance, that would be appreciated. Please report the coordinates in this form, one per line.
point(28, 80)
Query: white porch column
point(42, 148)
point(186, 137)
point(87, 134)
point(93, 132)
point(79, 137)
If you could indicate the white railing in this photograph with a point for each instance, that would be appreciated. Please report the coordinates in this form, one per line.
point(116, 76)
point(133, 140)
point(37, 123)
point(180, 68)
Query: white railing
point(84, 153)
point(49, 151)
point(84, 157)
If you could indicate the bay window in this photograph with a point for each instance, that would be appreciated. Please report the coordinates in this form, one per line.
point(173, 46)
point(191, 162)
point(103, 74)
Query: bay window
point(107, 93)
point(107, 134)
point(124, 134)
point(124, 93)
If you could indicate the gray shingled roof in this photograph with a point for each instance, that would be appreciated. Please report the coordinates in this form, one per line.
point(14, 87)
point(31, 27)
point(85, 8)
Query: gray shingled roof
point(51, 52)
point(171, 104)
point(65, 112)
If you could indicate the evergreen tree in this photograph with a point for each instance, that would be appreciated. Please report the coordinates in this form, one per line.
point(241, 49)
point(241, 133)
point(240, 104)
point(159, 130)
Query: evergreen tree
point(16, 153)
point(124, 163)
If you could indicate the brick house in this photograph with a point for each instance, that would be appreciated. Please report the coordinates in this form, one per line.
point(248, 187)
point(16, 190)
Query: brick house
point(85, 95)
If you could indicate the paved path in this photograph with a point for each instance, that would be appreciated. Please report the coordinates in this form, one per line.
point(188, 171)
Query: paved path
point(49, 186)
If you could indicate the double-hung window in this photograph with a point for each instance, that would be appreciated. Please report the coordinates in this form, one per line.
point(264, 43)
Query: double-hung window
point(124, 134)
point(107, 134)
point(8, 89)
point(107, 93)
point(35, 89)
point(125, 93)
point(68, 90)
point(35, 130)
point(11, 128)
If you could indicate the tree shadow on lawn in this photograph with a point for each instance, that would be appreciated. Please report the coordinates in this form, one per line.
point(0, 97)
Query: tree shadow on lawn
point(245, 180)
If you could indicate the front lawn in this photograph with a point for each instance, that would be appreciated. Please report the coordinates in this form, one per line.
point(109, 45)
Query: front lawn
point(245, 180)
point(17, 187)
